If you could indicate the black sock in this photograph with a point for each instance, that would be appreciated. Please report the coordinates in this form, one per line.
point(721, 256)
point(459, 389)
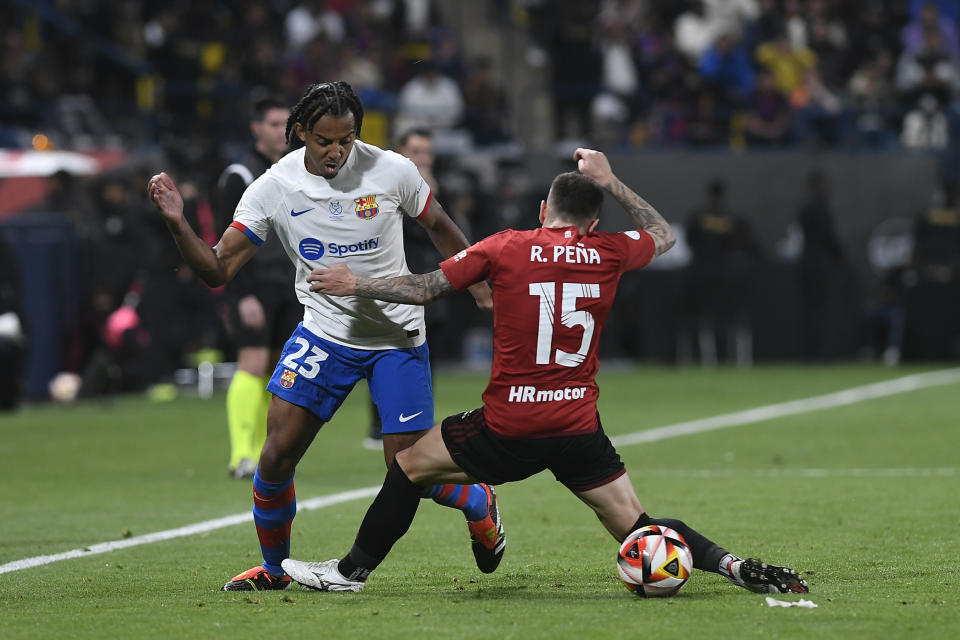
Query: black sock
point(706, 553)
point(387, 519)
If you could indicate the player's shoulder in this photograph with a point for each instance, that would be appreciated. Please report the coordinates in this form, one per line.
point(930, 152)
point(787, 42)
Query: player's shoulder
point(617, 237)
point(277, 181)
point(373, 155)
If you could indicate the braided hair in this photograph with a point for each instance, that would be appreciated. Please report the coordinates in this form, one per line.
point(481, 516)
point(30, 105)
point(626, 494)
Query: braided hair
point(334, 98)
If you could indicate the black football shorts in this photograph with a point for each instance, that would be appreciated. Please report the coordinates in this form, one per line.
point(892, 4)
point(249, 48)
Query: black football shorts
point(580, 462)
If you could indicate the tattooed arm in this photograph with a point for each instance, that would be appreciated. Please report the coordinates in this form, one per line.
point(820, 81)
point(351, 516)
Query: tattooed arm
point(416, 288)
point(595, 166)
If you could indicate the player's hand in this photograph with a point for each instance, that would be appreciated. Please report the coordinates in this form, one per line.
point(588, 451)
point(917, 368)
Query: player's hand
point(338, 280)
point(594, 165)
point(482, 296)
point(165, 195)
point(251, 312)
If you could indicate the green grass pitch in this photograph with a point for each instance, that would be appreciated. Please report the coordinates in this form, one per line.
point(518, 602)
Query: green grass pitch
point(862, 498)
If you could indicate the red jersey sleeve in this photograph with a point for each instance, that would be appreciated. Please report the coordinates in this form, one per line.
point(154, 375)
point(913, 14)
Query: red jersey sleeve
point(472, 265)
point(638, 249)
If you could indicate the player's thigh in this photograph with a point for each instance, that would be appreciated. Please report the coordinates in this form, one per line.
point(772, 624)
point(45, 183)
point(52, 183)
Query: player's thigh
point(393, 443)
point(401, 387)
point(584, 461)
point(290, 431)
point(428, 461)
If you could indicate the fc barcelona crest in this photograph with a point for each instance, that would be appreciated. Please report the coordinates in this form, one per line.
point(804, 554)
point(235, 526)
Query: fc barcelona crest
point(287, 379)
point(367, 207)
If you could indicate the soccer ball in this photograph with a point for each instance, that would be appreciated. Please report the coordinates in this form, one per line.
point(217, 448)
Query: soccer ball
point(654, 562)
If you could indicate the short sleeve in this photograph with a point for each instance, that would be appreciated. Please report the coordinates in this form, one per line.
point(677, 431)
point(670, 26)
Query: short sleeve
point(637, 250)
point(257, 204)
point(470, 266)
point(412, 189)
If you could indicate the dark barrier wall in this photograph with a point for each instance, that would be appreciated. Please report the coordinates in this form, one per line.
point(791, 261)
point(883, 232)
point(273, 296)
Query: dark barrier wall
point(767, 187)
point(46, 251)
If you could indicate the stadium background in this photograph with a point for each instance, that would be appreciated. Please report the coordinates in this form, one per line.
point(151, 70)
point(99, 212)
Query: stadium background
point(97, 96)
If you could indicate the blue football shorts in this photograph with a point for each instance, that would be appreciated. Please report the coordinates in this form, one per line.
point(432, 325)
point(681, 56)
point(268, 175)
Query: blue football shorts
point(317, 374)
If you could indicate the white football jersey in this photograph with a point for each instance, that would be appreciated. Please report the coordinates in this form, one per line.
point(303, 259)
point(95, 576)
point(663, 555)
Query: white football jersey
point(353, 218)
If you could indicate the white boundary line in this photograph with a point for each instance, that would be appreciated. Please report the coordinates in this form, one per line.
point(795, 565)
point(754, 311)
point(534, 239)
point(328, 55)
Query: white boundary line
point(750, 416)
point(794, 407)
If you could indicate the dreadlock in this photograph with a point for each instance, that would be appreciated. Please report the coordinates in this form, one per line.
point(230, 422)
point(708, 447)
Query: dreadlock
point(335, 98)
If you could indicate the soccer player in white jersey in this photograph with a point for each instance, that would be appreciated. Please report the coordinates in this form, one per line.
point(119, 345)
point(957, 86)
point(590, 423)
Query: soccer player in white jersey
point(336, 200)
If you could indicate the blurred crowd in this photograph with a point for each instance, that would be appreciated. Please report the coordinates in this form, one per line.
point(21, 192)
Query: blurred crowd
point(170, 84)
point(748, 73)
point(637, 73)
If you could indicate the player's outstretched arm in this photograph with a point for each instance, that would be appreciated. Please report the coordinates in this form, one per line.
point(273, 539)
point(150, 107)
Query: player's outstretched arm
point(449, 240)
point(416, 288)
point(595, 166)
point(215, 265)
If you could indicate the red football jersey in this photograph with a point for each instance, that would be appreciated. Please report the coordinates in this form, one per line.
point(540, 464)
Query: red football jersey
point(552, 290)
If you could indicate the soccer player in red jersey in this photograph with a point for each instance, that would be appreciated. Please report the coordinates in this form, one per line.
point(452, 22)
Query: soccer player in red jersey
point(552, 290)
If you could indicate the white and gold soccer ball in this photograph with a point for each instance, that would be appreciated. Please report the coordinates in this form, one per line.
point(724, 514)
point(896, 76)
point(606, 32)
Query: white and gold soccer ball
point(654, 562)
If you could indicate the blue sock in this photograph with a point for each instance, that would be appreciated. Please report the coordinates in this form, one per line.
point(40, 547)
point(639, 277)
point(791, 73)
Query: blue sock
point(274, 506)
point(469, 498)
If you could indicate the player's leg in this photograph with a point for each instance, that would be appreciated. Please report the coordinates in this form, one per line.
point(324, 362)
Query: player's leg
point(310, 382)
point(406, 413)
point(387, 519)
point(591, 467)
point(290, 430)
point(616, 505)
point(406, 410)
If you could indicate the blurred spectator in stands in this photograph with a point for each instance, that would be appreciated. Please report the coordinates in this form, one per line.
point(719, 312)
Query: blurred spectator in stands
point(927, 71)
point(726, 67)
point(429, 100)
point(486, 114)
point(795, 26)
point(768, 24)
point(767, 118)
point(447, 56)
point(619, 102)
point(707, 124)
point(827, 39)
point(786, 62)
point(926, 125)
point(949, 9)
point(315, 59)
point(694, 32)
point(872, 101)
point(13, 338)
point(818, 112)
point(731, 15)
point(177, 311)
point(929, 20)
point(724, 255)
point(566, 30)
point(817, 271)
point(671, 85)
point(310, 19)
point(413, 20)
point(17, 100)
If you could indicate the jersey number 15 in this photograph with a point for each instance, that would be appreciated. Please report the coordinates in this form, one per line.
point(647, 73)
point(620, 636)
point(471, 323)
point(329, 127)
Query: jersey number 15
point(569, 317)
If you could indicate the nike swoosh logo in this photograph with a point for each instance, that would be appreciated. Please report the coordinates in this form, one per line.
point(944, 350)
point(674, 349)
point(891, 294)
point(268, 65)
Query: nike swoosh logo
point(404, 418)
point(299, 213)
